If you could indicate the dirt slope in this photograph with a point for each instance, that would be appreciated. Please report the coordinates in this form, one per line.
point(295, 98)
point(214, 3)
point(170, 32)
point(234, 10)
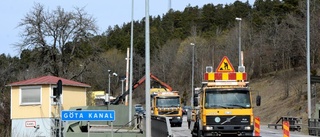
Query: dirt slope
point(283, 94)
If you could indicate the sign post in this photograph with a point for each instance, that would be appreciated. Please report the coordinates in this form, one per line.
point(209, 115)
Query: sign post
point(89, 115)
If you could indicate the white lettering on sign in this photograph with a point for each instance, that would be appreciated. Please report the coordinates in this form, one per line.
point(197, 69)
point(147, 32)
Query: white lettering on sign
point(100, 115)
point(30, 123)
point(93, 115)
point(73, 115)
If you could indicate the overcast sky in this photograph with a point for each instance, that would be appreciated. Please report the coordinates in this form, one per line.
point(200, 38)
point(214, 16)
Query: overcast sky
point(106, 12)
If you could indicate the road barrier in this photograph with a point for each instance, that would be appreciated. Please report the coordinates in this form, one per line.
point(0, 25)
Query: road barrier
point(286, 128)
point(160, 126)
point(257, 126)
point(294, 123)
point(314, 127)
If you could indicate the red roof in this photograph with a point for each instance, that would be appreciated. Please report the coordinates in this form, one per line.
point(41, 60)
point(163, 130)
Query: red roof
point(48, 80)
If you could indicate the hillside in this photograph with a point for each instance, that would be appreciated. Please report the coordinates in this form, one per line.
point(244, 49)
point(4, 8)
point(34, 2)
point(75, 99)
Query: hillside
point(284, 93)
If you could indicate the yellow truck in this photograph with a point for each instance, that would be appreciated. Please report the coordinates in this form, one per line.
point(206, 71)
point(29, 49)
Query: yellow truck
point(223, 104)
point(167, 103)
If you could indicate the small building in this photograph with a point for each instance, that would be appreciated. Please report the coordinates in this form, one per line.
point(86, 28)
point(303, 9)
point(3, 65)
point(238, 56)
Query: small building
point(35, 111)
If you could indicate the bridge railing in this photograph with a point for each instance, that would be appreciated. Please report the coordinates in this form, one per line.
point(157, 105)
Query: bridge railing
point(314, 127)
point(295, 123)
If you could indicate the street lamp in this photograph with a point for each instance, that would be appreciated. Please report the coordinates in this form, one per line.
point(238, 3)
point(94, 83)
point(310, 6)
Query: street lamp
point(122, 80)
point(109, 75)
point(192, 79)
point(239, 19)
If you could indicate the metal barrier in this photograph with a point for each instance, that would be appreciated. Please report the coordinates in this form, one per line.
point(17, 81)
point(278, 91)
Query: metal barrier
point(102, 129)
point(160, 126)
point(314, 127)
point(294, 122)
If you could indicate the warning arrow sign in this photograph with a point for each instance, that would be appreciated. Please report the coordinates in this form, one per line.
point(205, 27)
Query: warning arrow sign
point(225, 65)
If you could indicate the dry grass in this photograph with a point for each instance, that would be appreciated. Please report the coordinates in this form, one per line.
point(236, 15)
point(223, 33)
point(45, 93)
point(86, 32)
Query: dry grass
point(275, 103)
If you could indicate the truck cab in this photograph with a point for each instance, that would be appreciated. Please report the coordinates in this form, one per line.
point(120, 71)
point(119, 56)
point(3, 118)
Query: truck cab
point(167, 104)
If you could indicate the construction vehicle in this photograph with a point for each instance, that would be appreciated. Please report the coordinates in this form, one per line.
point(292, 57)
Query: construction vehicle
point(121, 97)
point(223, 104)
point(164, 102)
point(167, 103)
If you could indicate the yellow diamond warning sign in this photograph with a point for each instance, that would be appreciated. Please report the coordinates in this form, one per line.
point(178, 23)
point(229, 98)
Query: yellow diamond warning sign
point(225, 65)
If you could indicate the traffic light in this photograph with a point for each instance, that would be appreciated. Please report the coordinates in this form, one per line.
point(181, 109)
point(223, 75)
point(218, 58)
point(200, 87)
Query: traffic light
point(55, 93)
point(59, 89)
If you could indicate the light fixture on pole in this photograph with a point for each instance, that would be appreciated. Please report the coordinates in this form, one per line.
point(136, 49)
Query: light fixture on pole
point(114, 74)
point(192, 79)
point(239, 19)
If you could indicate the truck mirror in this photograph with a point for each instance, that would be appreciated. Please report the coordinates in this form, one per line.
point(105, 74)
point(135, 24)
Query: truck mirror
point(195, 101)
point(195, 95)
point(258, 100)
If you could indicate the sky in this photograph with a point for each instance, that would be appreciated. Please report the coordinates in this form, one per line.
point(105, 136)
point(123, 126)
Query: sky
point(106, 12)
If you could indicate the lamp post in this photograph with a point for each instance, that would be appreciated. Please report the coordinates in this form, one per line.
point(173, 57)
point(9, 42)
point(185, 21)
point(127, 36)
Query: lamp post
point(109, 75)
point(122, 80)
point(108, 87)
point(192, 77)
point(131, 64)
point(239, 19)
point(308, 60)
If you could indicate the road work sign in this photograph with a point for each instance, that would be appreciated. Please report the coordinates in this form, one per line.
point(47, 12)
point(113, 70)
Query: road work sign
point(88, 115)
point(225, 65)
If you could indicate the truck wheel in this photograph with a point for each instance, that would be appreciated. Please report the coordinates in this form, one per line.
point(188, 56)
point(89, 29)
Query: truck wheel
point(180, 125)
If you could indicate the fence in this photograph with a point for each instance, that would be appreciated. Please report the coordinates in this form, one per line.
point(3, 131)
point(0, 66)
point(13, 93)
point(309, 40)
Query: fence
point(294, 122)
point(314, 127)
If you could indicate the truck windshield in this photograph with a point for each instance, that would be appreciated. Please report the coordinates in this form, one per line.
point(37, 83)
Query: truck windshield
point(168, 102)
point(227, 99)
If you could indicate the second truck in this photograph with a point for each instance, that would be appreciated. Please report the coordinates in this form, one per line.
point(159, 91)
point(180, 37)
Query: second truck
point(166, 103)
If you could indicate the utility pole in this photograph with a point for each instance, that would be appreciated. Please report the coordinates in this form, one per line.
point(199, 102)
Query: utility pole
point(122, 80)
point(147, 73)
point(308, 60)
point(192, 81)
point(131, 67)
point(239, 19)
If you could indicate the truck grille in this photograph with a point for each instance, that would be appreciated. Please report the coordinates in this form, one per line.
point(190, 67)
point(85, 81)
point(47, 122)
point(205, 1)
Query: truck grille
point(228, 120)
point(168, 112)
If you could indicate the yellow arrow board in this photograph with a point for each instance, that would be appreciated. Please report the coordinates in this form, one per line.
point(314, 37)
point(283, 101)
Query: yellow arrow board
point(225, 65)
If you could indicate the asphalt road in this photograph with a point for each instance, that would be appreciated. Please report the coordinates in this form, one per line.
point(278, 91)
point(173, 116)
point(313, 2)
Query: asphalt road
point(265, 131)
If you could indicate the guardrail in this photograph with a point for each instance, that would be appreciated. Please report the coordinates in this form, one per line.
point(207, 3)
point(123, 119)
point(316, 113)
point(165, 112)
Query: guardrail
point(294, 123)
point(314, 127)
point(102, 129)
point(160, 126)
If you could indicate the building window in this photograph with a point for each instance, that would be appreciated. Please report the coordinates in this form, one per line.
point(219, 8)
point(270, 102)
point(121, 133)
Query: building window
point(30, 95)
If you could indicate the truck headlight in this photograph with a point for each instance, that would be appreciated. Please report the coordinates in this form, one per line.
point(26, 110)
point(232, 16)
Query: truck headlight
point(208, 128)
point(178, 117)
point(247, 128)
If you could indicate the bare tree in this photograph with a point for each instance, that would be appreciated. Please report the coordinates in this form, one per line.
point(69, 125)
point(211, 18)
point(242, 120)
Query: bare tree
point(55, 35)
point(7, 73)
